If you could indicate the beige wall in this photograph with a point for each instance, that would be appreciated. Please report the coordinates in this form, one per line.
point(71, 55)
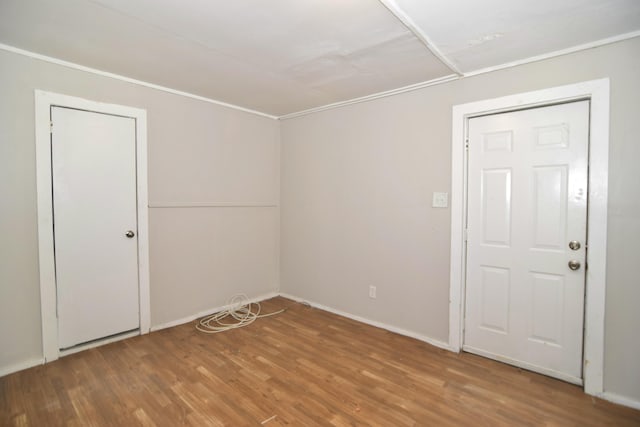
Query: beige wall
point(199, 153)
point(356, 201)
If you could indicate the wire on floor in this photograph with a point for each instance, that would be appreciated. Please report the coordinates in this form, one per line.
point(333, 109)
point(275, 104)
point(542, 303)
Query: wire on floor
point(241, 312)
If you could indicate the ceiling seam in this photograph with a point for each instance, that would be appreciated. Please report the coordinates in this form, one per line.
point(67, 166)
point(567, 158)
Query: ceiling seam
point(114, 76)
point(396, 11)
point(451, 78)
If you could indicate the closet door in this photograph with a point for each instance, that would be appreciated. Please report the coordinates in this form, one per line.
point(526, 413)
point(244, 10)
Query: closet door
point(95, 224)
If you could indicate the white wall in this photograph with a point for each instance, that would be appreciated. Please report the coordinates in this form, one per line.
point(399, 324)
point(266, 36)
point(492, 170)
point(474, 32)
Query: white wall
point(199, 153)
point(356, 201)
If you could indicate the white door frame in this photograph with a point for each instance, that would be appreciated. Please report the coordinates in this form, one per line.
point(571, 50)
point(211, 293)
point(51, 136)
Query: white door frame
point(48, 298)
point(597, 91)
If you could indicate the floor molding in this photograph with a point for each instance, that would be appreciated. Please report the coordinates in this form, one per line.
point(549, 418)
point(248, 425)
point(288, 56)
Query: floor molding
point(381, 325)
point(26, 364)
point(620, 400)
point(608, 396)
point(208, 311)
point(303, 367)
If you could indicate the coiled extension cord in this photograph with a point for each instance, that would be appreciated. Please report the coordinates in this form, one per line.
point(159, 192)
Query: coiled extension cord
point(240, 310)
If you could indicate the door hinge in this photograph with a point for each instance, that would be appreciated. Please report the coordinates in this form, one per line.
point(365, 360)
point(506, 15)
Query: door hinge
point(466, 234)
point(466, 144)
point(51, 127)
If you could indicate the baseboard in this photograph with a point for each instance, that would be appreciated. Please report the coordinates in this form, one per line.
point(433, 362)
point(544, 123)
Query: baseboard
point(608, 396)
point(6, 370)
point(206, 312)
point(399, 331)
point(620, 400)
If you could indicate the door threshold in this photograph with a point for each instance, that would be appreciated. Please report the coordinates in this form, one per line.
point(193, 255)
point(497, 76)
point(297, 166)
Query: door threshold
point(524, 365)
point(98, 342)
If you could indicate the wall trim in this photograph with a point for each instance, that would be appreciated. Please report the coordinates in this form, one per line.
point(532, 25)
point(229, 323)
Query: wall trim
point(453, 77)
point(597, 91)
point(381, 325)
point(620, 400)
point(209, 311)
point(371, 97)
point(608, 396)
point(48, 298)
point(26, 364)
point(562, 52)
point(409, 88)
point(160, 205)
point(95, 71)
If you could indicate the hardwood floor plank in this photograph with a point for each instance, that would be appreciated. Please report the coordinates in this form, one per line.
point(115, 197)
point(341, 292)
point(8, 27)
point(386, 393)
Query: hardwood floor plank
point(302, 367)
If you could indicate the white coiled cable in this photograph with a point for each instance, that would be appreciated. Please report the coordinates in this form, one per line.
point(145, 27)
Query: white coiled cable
point(240, 309)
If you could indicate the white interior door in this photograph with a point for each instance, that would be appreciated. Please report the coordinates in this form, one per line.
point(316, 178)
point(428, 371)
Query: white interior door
point(94, 206)
point(527, 200)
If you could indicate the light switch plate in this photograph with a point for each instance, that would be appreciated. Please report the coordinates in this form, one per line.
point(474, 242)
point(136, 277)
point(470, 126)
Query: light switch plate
point(440, 200)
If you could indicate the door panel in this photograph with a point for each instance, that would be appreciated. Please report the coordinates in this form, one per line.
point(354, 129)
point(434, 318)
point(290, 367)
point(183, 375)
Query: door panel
point(94, 203)
point(527, 188)
point(496, 207)
point(549, 207)
point(547, 308)
point(495, 299)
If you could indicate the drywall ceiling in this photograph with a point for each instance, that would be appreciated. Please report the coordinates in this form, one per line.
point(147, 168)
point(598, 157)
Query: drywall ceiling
point(474, 34)
point(284, 56)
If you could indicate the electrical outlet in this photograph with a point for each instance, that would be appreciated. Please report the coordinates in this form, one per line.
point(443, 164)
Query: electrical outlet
point(372, 292)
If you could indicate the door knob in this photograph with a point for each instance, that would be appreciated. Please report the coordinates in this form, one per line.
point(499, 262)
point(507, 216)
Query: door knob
point(574, 245)
point(574, 264)
point(130, 234)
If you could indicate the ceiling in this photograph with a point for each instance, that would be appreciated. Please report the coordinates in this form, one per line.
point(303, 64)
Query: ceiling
point(284, 56)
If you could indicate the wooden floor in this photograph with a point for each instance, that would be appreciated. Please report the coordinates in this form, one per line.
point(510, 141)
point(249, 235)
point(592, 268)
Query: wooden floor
point(304, 367)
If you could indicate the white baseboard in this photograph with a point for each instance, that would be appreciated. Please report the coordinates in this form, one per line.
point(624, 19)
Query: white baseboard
point(208, 311)
point(400, 331)
point(6, 370)
point(608, 396)
point(620, 400)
